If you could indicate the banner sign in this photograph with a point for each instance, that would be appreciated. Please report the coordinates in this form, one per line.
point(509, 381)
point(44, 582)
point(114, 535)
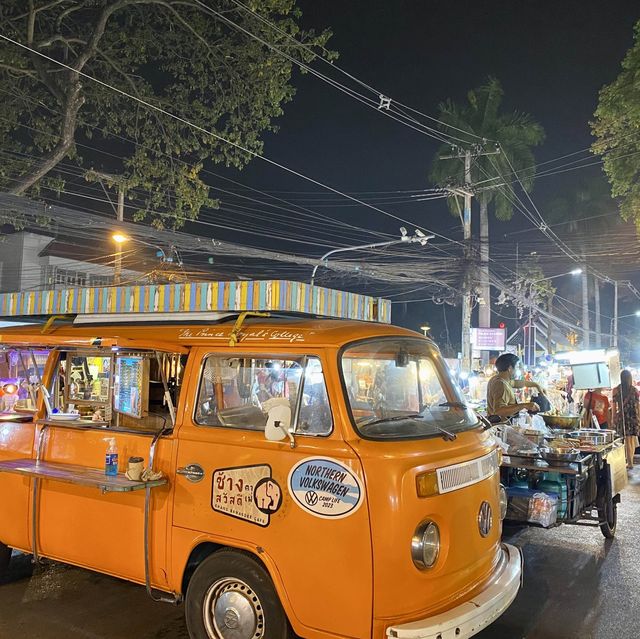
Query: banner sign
point(488, 339)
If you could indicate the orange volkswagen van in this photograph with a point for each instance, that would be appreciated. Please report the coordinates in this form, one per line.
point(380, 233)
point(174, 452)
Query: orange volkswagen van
point(309, 476)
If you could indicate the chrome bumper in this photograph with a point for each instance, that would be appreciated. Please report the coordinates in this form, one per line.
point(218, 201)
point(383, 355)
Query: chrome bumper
point(471, 617)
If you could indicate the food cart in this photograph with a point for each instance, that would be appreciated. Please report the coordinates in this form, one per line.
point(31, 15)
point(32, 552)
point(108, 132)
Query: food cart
point(547, 488)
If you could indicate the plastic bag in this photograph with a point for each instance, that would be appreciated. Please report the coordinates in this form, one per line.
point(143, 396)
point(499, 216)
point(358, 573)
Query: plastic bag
point(543, 509)
point(516, 441)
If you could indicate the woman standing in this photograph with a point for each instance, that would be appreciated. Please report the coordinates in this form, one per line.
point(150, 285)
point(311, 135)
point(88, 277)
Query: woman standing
point(626, 413)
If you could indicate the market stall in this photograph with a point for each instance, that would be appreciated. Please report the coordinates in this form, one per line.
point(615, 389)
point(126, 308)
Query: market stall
point(564, 477)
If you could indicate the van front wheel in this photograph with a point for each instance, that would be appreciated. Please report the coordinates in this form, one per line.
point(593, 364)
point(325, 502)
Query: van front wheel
point(231, 596)
point(5, 556)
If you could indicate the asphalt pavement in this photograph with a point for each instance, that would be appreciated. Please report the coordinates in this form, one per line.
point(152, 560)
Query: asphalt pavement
point(576, 585)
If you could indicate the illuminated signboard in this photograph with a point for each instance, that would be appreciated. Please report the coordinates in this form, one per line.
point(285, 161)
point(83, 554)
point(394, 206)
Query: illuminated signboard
point(131, 386)
point(488, 339)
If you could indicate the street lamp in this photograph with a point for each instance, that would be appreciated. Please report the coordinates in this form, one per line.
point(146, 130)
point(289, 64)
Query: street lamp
point(636, 314)
point(575, 271)
point(418, 237)
point(425, 329)
point(120, 239)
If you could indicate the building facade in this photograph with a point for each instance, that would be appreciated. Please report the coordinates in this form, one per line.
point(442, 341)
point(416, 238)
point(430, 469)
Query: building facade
point(31, 261)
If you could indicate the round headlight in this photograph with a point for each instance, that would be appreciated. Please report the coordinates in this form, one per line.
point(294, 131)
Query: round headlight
point(425, 545)
point(503, 502)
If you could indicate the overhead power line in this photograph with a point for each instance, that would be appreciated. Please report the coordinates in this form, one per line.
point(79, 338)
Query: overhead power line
point(219, 137)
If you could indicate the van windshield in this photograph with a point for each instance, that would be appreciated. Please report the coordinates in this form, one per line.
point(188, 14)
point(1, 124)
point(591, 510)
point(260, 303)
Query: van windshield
point(399, 388)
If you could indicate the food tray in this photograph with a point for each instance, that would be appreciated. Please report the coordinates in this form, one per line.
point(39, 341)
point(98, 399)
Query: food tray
point(64, 417)
point(550, 455)
point(561, 421)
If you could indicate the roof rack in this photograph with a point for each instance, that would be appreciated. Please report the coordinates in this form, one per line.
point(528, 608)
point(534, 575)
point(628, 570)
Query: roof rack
point(194, 299)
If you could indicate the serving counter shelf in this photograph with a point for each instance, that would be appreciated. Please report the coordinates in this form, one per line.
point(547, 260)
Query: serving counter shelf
point(539, 463)
point(74, 474)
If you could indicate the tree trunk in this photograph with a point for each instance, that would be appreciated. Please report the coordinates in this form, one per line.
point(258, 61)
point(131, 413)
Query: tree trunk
point(57, 154)
point(484, 312)
point(68, 92)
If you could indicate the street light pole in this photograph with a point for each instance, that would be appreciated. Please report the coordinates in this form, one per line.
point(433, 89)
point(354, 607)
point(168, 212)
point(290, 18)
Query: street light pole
point(575, 271)
point(419, 237)
point(117, 269)
point(120, 239)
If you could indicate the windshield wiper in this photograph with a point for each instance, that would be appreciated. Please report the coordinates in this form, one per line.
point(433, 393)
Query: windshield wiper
point(446, 435)
point(396, 418)
point(452, 405)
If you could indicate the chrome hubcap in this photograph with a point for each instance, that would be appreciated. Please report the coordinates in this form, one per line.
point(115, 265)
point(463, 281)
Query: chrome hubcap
point(232, 610)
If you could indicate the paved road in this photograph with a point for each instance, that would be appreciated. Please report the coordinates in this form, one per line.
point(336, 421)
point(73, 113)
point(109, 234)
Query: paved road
point(577, 585)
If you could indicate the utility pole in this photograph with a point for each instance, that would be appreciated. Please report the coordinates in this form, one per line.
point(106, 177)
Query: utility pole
point(615, 315)
point(121, 183)
point(550, 325)
point(117, 269)
point(596, 299)
point(585, 307)
point(467, 193)
point(466, 299)
point(468, 280)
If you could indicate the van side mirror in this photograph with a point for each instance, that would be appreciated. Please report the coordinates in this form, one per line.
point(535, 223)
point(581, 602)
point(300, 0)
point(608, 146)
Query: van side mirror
point(276, 432)
point(278, 412)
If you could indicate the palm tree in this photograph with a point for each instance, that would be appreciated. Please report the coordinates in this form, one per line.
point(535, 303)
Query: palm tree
point(515, 134)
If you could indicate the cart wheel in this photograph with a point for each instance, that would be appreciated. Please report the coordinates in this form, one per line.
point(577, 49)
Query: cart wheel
point(231, 596)
point(608, 518)
point(5, 556)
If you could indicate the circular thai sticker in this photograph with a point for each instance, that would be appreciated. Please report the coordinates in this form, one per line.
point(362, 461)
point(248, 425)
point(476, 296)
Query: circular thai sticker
point(325, 487)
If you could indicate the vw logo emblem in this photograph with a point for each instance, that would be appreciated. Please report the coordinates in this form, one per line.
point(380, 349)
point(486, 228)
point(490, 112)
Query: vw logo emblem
point(231, 618)
point(485, 519)
point(311, 497)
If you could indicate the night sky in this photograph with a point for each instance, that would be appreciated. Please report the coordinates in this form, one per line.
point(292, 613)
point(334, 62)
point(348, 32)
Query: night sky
point(551, 57)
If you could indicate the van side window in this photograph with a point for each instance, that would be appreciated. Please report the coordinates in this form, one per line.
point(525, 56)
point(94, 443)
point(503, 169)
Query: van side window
point(245, 392)
point(315, 413)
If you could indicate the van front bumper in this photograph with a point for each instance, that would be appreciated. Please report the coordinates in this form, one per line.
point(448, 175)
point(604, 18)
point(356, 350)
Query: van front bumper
point(472, 616)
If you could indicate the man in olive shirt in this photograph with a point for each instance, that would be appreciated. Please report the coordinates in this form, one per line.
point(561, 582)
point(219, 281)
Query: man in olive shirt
point(501, 399)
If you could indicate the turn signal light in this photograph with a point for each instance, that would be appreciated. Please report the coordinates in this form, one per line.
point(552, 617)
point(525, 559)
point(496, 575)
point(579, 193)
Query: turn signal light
point(427, 484)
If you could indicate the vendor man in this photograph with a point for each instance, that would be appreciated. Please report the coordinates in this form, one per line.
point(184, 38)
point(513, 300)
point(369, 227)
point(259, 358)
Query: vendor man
point(501, 399)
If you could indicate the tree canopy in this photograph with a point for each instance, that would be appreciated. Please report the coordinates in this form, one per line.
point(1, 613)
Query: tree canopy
point(184, 56)
point(617, 130)
point(515, 131)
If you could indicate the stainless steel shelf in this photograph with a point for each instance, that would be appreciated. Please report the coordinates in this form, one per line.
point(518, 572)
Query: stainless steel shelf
point(73, 474)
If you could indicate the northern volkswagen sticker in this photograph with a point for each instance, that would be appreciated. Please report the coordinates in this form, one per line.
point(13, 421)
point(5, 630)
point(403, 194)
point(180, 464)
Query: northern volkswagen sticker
point(325, 487)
